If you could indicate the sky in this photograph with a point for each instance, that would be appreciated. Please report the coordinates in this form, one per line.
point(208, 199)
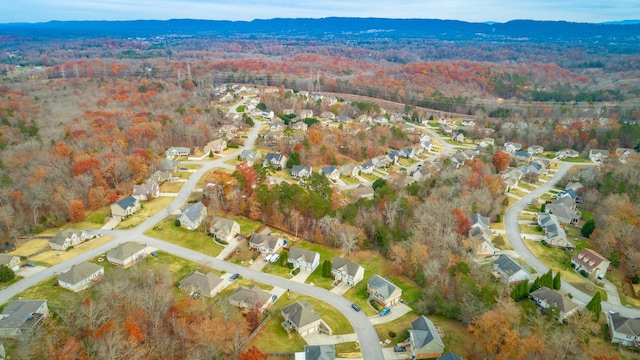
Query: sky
point(593, 11)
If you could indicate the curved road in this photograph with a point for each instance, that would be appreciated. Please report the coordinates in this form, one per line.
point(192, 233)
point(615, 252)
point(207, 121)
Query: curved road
point(512, 230)
point(367, 336)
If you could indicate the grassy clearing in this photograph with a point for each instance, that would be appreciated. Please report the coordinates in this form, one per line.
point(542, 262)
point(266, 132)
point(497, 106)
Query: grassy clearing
point(526, 186)
point(348, 350)
point(518, 193)
point(243, 255)
point(171, 187)
point(326, 253)
point(57, 297)
point(149, 208)
point(576, 160)
point(93, 220)
point(277, 269)
point(406, 162)
point(349, 180)
point(530, 229)
point(625, 290)
point(247, 226)
point(369, 177)
point(167, 230)
point(399, 326)
point(31, 247)
point(191, 166)
point(53, 257)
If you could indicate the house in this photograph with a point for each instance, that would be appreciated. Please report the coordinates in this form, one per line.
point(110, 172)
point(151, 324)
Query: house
point(512, 147)
point(458, 136)
point(535, 149)
point(449, 356)
point(197, 284)
point(509, 270)
point(590, 261)
point(575, 186)
point(363, 192)
point(277, 160)
point(569, 193)
point(381, 162)
point(523, 156)
point(407, 153)
point(10, 261)
point(226, 98)
point(8, 248)
point(331, 172)
point(301, 318)
point(383, 291)
point(480, 221)
point(147, 191)
point(425, 340)
point(230, 129)
point(306, 113)
point(624, 330)
point(126, 254)
point(346, 271)
point(564, 208)
point(349, 170)
point(224, 229)
point(288, 112)
point(512, 178)
point(567, 153)
point(21, 317)
point(250, 297)
point(173, 152)
point(468, 122)
point(555, 235)
point(317, 352)
point(66, 238)
point(546, 298)
point(301, 126)
point(596, 155)
point(125, 207)
point(327, 115)
point(250, 156)
point(266, 244)
point(486, 142)
point(479, 243)
point(427, 145)
point(80, 276)
point(624, 153)
point(301, 171)
point(215, 146)
point(160, 177)
point(306, 260)
point(192, 216)
point(343, 119)
point(169, 165)
point(367, 168)
point(587, 174)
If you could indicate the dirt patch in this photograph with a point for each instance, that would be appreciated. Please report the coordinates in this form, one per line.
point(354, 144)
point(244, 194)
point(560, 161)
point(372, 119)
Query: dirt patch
point(53, 257)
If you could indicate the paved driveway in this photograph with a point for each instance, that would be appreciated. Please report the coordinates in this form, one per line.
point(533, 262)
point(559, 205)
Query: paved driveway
point(397, 311)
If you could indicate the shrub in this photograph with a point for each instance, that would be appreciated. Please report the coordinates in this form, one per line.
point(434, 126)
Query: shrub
point(392, 334)
point(6, 274)
point(290, 265)
point(177, 223)
point(295, 271)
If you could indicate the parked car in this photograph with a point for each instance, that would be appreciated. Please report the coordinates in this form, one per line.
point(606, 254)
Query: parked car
point(385, 311)
point(275, 258)
point(355, 307)
point(234, 276)
point(399, 348)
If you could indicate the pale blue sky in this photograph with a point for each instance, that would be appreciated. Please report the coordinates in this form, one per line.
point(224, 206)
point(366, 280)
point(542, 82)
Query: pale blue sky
point(467, 10)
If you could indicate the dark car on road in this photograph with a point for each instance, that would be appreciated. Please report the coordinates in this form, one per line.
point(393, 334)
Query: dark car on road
point(355, 307)
point(234, 276)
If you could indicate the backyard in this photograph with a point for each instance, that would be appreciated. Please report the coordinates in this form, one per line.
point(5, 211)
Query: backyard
point(148, 208)
point(196, 240)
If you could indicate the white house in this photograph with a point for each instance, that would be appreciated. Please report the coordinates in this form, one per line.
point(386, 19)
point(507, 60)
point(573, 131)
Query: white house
point(624, 330)
point(509, 270)
point(346, 271)
point(192, 216)
point(266, 244)
point(66, 238)
point(125, 207)
point(301, 171)
point(80, 276)
point(224, 229)
point(331, 172)
point(304, 259)
point(21, 317)
point(177, 151)
point(10, 261)
point(127, 254)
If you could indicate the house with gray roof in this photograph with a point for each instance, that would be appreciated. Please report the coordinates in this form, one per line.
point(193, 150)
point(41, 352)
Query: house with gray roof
point(127, 254)
point(331, 172)
point(522, 156)
point(276, 160)
point(555, 236)
point(147, 191)
point(176, 151)
point(512, 147)
point(160, 177)
point(125, 207)
point(301, 318)
point(478, 220)
point(349, 170)
point(367, 168)
point(197, 284)
point(598, 155)
point(564, 208)
point(425, 340)
point(509, 270)
point(301, 171)
point(304, 259)
point(587, 174)
point(192, 216)
point(249, 297)
point(250, 156)
point(546, 298)
point(224, 229)
point(346, 271)
point(67, 238)
point(623, 330)
point(317, 352)
point(10, 261)
point(567, 153)
point(535, 149)
point(265, 244)
point(21, 317)
point(449, 356)
point(383, 291)
point(80, 276)
point(169, 165)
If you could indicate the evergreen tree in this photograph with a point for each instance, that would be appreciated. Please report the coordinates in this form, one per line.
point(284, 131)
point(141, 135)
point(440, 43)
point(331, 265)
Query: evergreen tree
point(326, 268)
point(595, 306)
point(520, 291)
point(557, 282)
point(536, 285)
point(6, 274)
point(547, 280)
point(588, 228)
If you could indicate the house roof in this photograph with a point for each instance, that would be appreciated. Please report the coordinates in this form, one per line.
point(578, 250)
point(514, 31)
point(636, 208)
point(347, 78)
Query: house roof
point(449, 356)
point(625, 325)
point(480, 233)
point(296, 169)
point(589, 259)
point(6, 259)
point(127, 202)
point(16, 313)
point(382, 285)
point(424, 332)
point(249, 297)
point(62, 236)
point(125, 250)
point(267, 241)
point(79, 272)
point(347, 266)
point(521, 153)
point(368, 164)
point(168, 165)
point(510, 266)
point(307, 255)
point(300, 313)
point(222, 225)
point(250, 155)
point(274, 157)
point(203, 282)
point(554, 298)
point(319, 352)
point(327, 170)
point(478, 220)
point(193, 212)
point(146, 188)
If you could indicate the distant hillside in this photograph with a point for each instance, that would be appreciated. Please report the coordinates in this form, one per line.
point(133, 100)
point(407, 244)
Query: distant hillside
point(330, 28)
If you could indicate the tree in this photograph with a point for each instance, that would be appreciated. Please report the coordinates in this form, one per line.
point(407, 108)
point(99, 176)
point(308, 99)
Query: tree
point(595, 306)
point(249, 174)
point(588, 228)
point(520, 291)
point(501, 160)
point(6, 274)
point(285, 258)
point(326, 268)
point(253, 353)
point(463, 224)
point(378, 183)
point(294, 159)
point(76, 211)
point(557, 281)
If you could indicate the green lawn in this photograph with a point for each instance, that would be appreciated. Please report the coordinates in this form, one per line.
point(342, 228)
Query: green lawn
point(171, 187)
point(348, 350)
point(191, 166)
point(524, 185)
point(399, 326)
point(247, 226)
point(277, 269)
point(195, 240)
point(517, 192)
point(576, 160)
point(406, 162)
point(530, 229)
point(349, 180)
point(149, 208)
point(369, 177)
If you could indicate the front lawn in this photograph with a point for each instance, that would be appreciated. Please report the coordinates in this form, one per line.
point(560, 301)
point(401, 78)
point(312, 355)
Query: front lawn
point(349, 180)
point(58, 298)
point(368, 177)
point(196, 240)
point(399, 326)
point(171, 187)
point(53, 257)
point(148, 209)
point(530, 229)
